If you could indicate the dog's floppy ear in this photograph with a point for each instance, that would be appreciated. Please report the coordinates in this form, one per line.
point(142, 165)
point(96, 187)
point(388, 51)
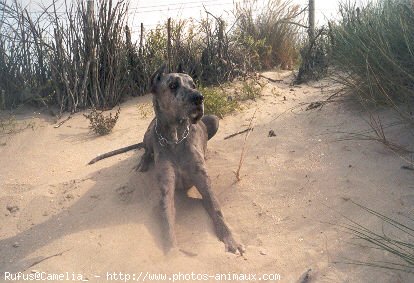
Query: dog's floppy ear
point(156, 77)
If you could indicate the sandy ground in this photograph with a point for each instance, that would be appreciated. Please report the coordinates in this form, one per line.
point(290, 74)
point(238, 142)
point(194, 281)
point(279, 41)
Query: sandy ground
point(58, 215)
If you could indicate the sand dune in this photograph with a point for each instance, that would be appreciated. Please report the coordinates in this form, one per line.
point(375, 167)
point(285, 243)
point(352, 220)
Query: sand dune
point(104, 218)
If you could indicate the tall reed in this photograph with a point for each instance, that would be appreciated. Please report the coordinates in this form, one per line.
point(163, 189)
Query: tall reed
point(373, 52)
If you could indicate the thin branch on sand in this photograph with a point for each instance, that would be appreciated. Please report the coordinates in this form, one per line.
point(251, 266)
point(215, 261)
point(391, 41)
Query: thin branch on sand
point(46, 258)
point(244, 149)
point(238, 133)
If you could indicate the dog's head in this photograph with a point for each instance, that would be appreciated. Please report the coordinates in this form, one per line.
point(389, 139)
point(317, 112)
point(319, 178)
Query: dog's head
point(176, 96)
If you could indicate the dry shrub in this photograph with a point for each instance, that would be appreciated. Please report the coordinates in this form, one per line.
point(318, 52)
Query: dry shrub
point(270, 35)
point(73, 59)
point(145, 110)
point(88, 55)
point(101, 124)
point(24, 72)
point(314, 58)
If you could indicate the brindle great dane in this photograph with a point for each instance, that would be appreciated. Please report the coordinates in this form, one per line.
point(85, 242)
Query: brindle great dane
point(176, 141)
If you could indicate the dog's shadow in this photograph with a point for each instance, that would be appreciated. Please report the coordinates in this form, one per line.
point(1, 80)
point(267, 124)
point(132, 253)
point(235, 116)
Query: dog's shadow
point(107, 203)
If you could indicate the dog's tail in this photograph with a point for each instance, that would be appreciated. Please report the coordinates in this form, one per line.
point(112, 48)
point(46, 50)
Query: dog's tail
point(212, 124)
point(117, 151)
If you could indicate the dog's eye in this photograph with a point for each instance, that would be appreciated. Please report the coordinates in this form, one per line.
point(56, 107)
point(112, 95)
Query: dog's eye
point(173, 85)
point(193, 86)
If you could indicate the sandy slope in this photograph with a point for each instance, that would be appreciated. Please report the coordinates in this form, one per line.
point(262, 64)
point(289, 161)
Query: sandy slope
point(105, 217)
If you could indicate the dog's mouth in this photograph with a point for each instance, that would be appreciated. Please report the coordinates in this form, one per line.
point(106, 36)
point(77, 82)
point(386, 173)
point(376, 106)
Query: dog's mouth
point(196, 113)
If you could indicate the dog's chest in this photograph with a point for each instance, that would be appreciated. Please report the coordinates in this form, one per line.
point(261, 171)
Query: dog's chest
point(183, 179)
point(186, 159)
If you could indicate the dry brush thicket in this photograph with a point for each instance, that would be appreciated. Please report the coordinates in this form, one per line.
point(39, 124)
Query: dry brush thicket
point(81, 54)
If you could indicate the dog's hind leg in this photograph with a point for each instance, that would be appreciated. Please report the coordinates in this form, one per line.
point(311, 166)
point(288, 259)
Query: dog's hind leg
point(212, 124)
point(148, 157)
point(166, 181)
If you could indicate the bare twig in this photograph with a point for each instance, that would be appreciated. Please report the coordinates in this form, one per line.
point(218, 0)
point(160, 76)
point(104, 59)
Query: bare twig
point(408, 167)
point(244, 149)
point(62, 122)
point(295, 23)
point(270, 79)
point(238, 133)
point(46, 258)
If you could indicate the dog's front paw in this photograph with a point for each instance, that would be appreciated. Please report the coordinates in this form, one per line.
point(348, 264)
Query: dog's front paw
point(141, 168)
point(138, 168)
point(232, 246)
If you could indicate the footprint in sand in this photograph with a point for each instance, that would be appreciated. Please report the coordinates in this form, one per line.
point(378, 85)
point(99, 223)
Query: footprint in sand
point(124, 193)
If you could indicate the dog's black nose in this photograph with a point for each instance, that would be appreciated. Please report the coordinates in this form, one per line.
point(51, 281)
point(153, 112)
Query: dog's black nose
point(197, 98)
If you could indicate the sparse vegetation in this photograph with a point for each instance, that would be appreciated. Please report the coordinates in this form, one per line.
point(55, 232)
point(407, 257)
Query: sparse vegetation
point(251, 89)
point(9, 125)
point(400, 249)
point(269, 36)
point(101, 124)
point(145, 110)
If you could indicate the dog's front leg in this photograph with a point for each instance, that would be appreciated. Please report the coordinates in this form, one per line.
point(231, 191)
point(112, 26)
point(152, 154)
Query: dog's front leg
point(210, 202)
point(146, 159)
point(166, 181)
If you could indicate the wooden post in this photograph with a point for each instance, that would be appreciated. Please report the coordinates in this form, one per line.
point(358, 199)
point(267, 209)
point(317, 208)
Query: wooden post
point(91, 55)
point(141, 37)
point(220, 37)
point(129, 48)
point(89, 28)
point(169, 44)
point(2, 100)
point(311, 30)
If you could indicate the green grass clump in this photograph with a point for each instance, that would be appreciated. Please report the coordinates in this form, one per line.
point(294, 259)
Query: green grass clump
point(373, 51)
point(216, 102)
point(250, 89)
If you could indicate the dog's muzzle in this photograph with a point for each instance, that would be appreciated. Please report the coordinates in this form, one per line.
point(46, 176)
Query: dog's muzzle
point(197, 99)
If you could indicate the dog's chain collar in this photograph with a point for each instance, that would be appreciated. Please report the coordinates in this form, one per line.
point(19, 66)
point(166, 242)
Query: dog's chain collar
point(163, 141)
